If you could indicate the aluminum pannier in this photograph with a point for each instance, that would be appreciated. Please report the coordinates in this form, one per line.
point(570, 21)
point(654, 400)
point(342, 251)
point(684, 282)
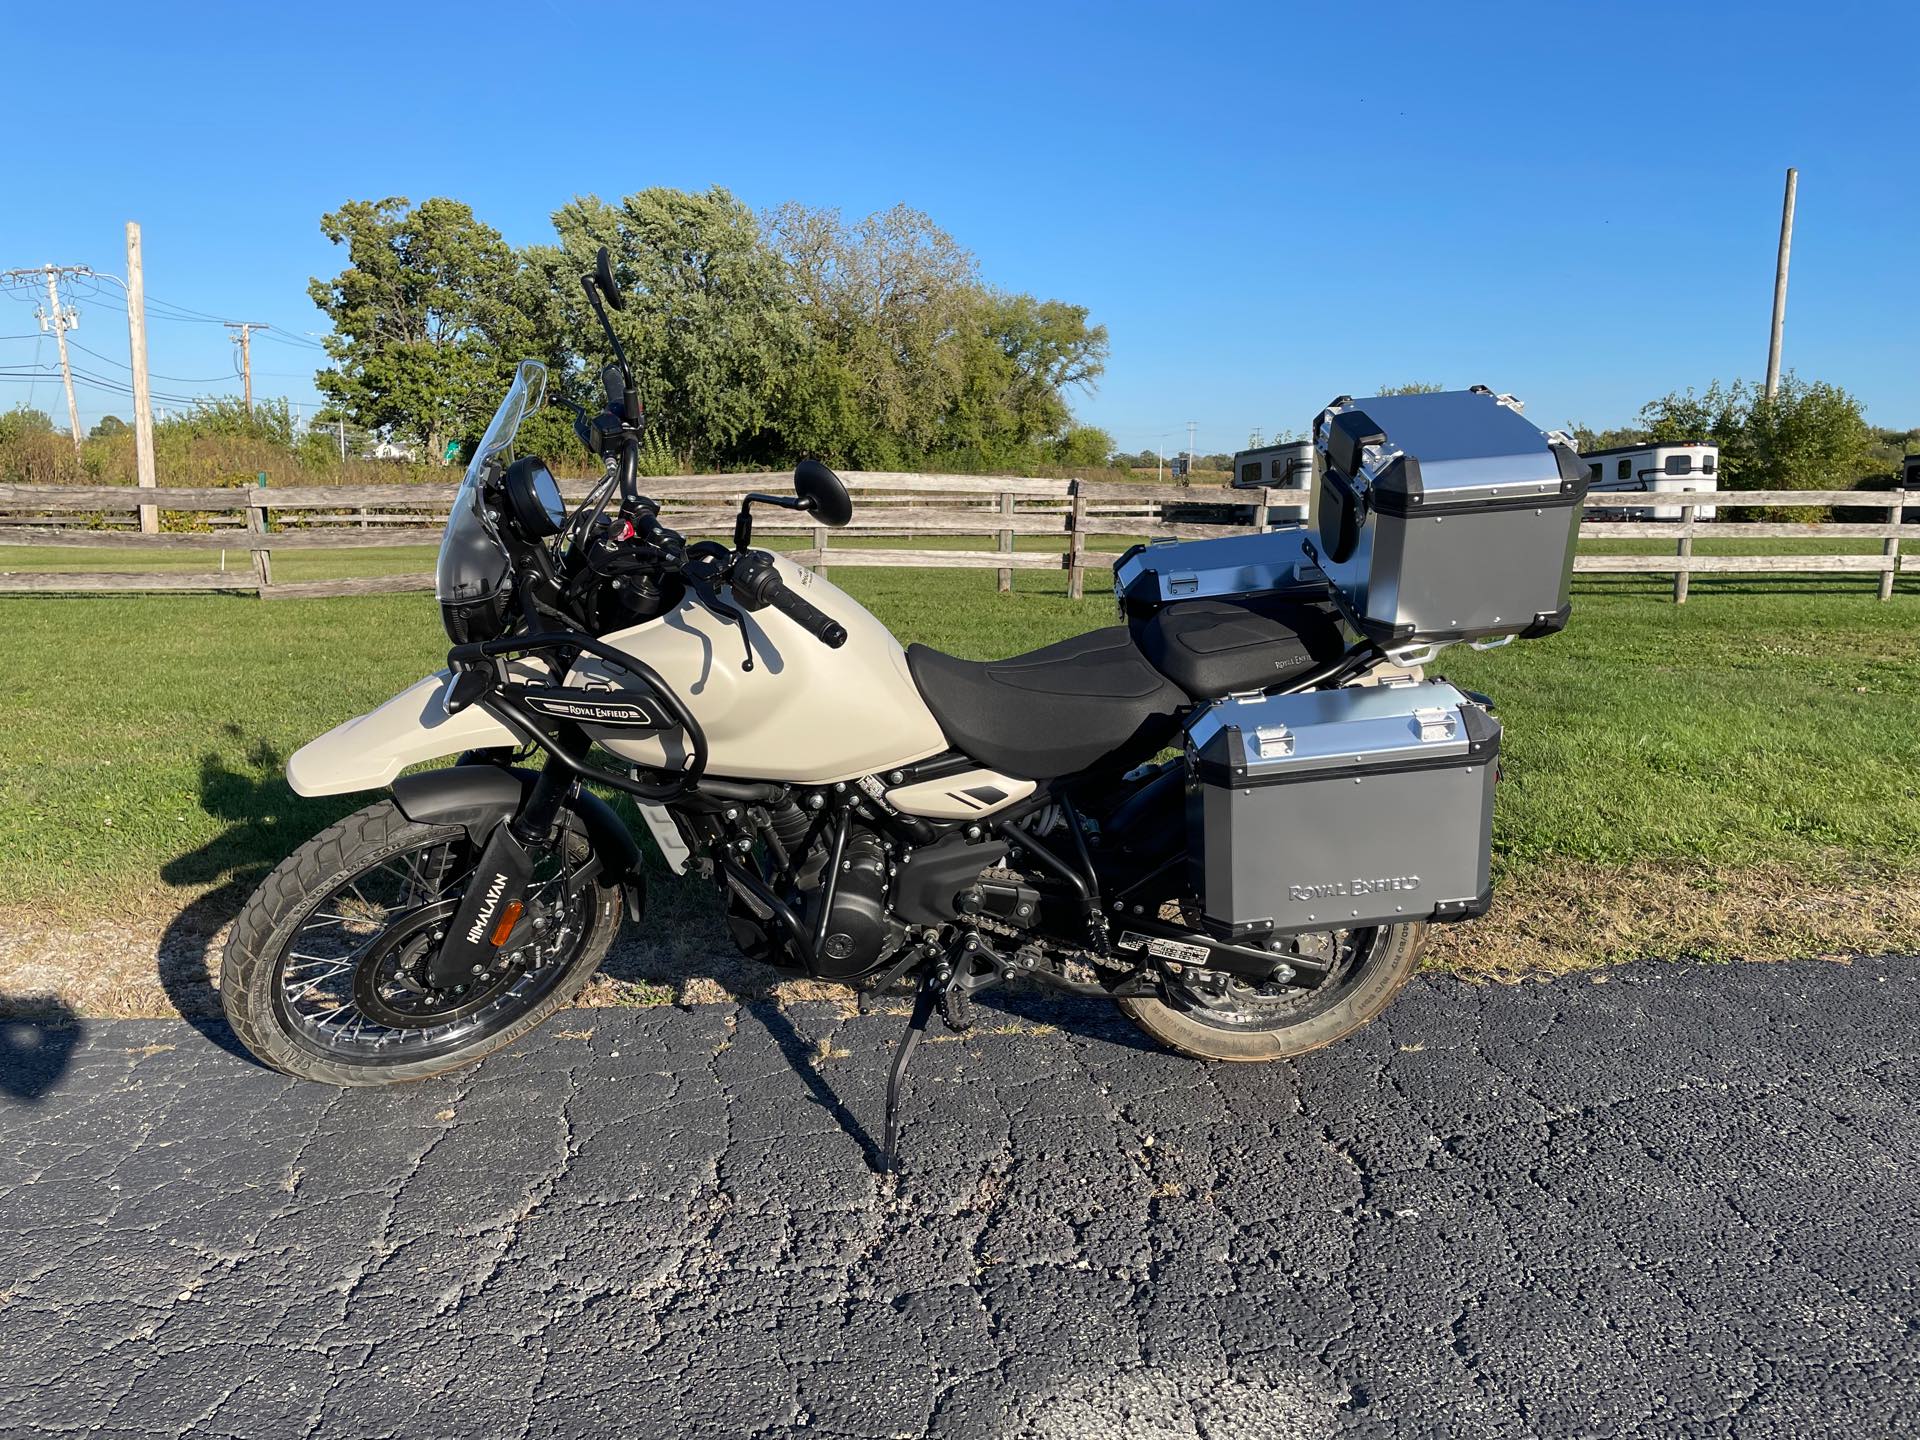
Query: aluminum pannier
point(1333, 809)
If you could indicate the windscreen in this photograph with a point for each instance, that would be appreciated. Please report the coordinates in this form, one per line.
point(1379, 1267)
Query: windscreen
point(473, 562)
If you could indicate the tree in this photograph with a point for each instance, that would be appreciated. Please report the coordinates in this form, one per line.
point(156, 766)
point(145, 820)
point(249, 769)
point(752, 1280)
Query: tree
point(710, 326)
point(1416, 387)
point(909, 359)
point(1586, 439)
point(21, 421)
point(1084, 447)
point(884, 303)
point(1810, 436)
point(424, 330)
point(1050, 349)
point(109, 426)
point(753, 342)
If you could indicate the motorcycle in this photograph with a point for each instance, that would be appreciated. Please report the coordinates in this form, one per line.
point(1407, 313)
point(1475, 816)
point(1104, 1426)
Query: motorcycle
point(1235, 814)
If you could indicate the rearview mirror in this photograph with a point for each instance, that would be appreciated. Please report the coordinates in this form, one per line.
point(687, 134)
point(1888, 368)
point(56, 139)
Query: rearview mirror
point(603, 277)
point(822, 494)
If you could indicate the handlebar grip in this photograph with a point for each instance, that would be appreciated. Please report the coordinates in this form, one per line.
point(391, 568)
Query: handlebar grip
point(824, 628)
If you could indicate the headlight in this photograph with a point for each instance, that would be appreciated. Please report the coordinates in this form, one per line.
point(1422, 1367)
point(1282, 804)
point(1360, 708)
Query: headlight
point(533, 498)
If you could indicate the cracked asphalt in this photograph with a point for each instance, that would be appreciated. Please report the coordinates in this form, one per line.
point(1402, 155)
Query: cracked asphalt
point(1679, 1202)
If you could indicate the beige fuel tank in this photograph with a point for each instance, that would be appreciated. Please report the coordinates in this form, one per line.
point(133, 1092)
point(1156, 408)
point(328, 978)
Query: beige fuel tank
point(803, 713)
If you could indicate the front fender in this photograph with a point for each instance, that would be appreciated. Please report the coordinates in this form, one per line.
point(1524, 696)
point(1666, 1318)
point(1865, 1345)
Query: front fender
point(368, 751)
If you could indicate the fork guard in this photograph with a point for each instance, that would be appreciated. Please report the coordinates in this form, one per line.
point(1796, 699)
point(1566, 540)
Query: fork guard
point(480, 796)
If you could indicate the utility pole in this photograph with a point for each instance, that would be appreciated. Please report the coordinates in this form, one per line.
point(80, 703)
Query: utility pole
point(246, 329)
point(62, 321)
point(1780, 283)
point(1192, 425)
point(142, 396)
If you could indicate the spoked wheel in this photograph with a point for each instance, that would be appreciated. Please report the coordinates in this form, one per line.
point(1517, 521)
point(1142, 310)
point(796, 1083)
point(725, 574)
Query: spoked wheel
point(1215, 1016)
point(326, 972)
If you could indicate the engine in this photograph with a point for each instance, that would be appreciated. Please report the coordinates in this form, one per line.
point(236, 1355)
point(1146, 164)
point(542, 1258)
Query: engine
point(859, 932)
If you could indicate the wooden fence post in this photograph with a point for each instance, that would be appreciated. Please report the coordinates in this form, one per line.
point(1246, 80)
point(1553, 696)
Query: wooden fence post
point(1683, 549)
point(257, 539)
point(1891, 549)
point(1006, 540)
point(820, 550)
point(1076, 542)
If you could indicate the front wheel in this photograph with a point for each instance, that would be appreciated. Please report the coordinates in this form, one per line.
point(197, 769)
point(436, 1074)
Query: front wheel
point(1212, 1015)
point(325, 973)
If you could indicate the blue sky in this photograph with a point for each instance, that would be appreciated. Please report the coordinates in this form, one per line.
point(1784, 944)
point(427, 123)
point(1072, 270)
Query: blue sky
point(1266, 205)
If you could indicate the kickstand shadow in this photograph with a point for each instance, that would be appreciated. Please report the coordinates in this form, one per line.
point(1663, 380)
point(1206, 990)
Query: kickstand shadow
point(799, 1054)
point(265, 820)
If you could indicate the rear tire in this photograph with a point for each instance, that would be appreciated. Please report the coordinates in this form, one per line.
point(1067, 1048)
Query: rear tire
point(1180, 1024)
point(252, 971)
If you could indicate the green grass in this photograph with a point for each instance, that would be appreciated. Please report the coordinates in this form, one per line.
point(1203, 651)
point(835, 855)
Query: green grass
point(1765, 723)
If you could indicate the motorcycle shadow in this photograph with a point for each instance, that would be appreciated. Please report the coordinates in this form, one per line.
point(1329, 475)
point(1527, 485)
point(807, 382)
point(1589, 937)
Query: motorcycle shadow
point(264, 821)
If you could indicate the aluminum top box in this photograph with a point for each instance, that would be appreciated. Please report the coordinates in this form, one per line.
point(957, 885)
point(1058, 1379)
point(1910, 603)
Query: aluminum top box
point(1446, 516)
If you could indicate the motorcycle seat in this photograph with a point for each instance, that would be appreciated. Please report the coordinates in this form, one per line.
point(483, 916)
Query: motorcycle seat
point(1211, 648)
point(1081, 704)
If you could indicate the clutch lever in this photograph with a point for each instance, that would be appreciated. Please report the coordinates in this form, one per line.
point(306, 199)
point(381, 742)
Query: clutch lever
point(712, 561)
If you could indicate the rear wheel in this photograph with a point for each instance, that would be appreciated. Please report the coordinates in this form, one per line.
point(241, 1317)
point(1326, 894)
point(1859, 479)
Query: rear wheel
point(1215, 1016)
point(325, 974)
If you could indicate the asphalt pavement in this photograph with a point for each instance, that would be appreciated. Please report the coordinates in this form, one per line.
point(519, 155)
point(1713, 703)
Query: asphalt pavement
point(1679, 1202)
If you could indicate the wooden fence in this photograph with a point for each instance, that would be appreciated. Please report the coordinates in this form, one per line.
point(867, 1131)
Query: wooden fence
point(254, 524)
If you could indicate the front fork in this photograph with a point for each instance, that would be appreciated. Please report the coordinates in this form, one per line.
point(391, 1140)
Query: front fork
point(496, 898)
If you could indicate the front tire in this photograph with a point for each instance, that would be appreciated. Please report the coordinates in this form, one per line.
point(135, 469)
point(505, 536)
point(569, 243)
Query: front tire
point(1218, 1019)
point(371, 886)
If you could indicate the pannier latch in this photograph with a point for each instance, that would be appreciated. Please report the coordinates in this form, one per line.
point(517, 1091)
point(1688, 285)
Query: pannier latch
point(1437, 724)
point(1272, 742)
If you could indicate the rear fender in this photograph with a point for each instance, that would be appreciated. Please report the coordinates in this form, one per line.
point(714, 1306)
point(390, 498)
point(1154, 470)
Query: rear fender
point(479, 797)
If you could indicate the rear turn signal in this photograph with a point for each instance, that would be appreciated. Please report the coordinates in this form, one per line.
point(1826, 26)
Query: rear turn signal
point(509, 917)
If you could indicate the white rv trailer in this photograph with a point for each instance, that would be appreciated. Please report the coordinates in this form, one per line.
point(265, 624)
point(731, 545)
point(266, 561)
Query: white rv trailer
point(1690, 469)
point(1286, 466)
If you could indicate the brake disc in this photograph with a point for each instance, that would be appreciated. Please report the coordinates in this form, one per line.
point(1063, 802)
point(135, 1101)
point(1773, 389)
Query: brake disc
point(390, 984)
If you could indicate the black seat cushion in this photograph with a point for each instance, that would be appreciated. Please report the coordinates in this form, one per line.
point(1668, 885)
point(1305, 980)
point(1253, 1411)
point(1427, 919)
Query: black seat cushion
point(1211, 648)
point(1086, 703)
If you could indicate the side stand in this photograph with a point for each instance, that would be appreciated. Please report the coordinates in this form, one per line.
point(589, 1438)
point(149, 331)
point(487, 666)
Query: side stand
point(924, 999)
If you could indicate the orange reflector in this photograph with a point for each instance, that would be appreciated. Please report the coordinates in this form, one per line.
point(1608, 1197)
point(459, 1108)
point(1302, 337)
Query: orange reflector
point(509, 917)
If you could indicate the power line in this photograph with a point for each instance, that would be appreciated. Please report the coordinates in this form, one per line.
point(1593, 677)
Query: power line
point(91, 380)
point(182, 379)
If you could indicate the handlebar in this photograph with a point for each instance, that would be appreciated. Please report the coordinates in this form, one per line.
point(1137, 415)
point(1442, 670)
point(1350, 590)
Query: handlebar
point(824, 628)
point(756, 584)
point(671, 543)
